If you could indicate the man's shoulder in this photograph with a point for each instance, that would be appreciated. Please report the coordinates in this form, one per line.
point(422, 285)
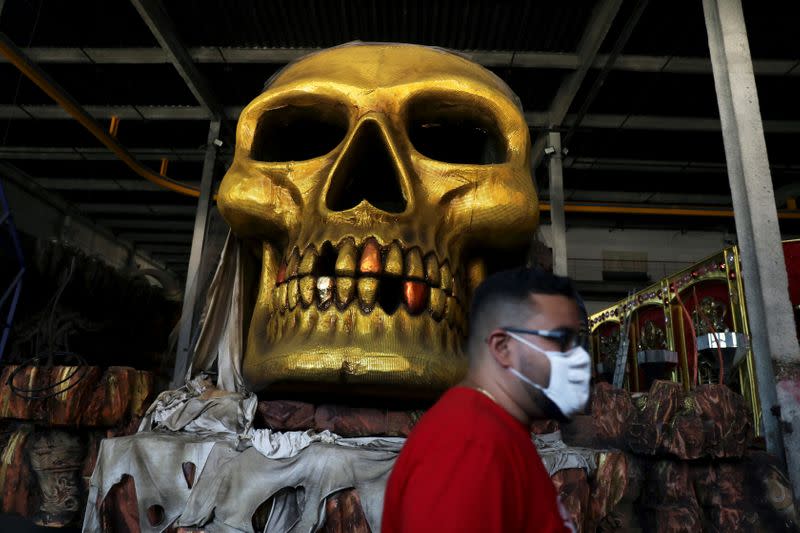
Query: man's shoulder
point(461, 415)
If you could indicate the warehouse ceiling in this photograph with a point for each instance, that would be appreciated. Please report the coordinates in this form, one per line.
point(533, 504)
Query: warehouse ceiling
point(627, 82)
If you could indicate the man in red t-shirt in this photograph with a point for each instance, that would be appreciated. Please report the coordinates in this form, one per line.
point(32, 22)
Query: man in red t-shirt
point(470, 463)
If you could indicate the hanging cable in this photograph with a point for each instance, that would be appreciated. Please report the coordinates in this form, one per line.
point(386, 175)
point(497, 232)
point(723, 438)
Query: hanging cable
point(688, 317)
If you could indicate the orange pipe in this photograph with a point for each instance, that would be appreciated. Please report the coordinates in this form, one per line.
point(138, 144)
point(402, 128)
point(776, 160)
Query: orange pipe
point(642, 210)
point(114, 126)
point(29, 69)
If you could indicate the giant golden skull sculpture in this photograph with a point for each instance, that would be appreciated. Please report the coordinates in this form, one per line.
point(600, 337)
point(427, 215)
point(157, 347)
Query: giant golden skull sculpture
point(381, 182)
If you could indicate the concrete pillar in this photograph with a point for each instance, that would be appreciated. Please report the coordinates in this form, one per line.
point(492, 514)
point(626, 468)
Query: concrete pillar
point(773, 335)
point(557, 221)
point(198, 240)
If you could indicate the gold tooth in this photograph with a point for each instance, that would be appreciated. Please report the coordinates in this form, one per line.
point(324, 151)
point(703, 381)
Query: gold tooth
point(367, 291)
point(294, 260)
point(451, 310)
point(346, 261)
point(432, 270)
point(446, 278)
point(414, 264)
point(282, 294)
point(276, 300)
point(344, 290)
point(307, 286)
point(476, 273)
point(293, 293)
point(370, 262)
point(309, 261)
point(307, 321)
point(437, 302)
point(394, 260)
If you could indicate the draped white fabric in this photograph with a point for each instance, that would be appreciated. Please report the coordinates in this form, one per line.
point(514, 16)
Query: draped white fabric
point(222, 332)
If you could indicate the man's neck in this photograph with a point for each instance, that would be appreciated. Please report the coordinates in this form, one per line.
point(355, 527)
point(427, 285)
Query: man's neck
point(496, 393)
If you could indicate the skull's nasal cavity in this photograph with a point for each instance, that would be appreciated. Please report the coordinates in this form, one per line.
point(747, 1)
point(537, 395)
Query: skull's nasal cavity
point(366, 172)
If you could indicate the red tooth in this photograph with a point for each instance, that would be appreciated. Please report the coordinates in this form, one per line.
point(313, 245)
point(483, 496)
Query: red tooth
point(415, 295)
point(281, 274)
point(370, 262)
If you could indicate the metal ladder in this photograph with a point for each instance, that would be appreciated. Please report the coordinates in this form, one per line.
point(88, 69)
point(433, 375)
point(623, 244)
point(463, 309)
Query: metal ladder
point(624, 343)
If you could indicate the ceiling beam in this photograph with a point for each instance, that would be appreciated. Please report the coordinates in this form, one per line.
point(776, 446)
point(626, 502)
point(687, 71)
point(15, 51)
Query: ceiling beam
point(97, 184)
point(487, 58)
point(644, 197)
point(162, 28)
point(657, 123)
point(79, 153)
point(651, 165)
point(600, 79)
point(138, 209)
point(593, 36)
point(123, 112)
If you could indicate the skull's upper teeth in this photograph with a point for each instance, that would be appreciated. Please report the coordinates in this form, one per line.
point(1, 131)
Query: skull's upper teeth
point(370, 272)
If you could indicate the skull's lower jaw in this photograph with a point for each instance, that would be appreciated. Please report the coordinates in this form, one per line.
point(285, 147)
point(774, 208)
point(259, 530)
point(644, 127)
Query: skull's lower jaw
point(351, 350)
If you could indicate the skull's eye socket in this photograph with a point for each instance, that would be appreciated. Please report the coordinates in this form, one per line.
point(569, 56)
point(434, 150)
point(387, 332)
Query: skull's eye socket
point(298, 132)
point(459, 133)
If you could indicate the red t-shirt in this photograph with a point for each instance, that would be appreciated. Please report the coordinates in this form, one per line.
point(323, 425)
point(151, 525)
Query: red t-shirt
point(470, 466)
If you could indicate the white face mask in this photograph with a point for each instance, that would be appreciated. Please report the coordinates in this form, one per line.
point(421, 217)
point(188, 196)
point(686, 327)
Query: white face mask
point(570, 373)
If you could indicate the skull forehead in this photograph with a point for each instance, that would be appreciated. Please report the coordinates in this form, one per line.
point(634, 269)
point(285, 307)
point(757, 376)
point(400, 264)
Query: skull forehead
point(371, 66)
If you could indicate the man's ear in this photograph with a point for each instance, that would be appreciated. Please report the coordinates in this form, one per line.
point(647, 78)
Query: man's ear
point(499, 348)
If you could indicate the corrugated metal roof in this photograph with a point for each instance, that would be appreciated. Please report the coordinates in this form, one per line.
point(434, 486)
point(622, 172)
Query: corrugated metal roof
point(84, 23)
point(460, 24)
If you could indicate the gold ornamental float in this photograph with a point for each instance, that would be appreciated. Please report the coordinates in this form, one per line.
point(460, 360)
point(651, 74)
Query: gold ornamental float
point(700, 315)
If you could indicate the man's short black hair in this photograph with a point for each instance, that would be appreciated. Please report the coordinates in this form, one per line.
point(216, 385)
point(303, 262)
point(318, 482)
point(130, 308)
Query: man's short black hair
point(506, 296)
